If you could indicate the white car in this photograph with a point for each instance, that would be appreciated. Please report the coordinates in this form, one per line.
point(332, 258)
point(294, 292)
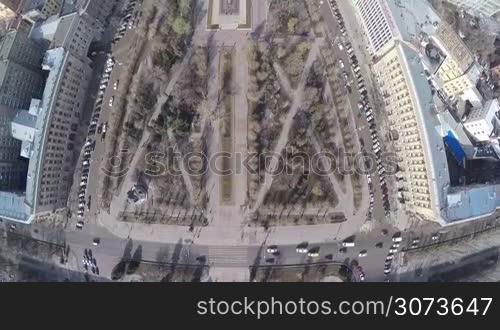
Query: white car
point(272, 249)
point(395, 245)
point(341, 63)
point(387, 271)
point(435, 237)
point(368, 113)
point(301, 250)
point(96, 241)
point(313, 253)
point(115, 85)
point(369, 118)
point(393, 250)
point(111, 100)
point(397, 239)
point(341, 47)
point(416, 240)
point(363, 253)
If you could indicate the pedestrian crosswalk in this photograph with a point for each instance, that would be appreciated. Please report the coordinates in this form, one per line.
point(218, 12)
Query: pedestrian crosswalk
point(228, 256)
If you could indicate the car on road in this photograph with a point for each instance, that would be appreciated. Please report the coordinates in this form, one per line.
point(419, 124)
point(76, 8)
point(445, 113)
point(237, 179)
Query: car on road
point(348, 244)
point(363, 253)
point(379, 245)
point(435, 237)
point(302, 248)
point(270, 260)
point(313, 252)
point(79, 224)
point(96, 241)
point(272, 249)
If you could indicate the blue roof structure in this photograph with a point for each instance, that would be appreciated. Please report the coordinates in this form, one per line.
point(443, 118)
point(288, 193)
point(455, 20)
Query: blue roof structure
point(456, 149)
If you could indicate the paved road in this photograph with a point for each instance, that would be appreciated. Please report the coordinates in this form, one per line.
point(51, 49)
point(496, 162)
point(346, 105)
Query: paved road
point(354, 97)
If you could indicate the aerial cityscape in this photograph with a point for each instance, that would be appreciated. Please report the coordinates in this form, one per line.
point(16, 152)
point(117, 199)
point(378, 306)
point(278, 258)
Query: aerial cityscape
point(249, 140)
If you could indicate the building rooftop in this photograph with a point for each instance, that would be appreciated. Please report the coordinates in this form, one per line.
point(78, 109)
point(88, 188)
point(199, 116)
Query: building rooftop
point(412, 17)
point(435, 157)
point(54, 61)
point(450, 42)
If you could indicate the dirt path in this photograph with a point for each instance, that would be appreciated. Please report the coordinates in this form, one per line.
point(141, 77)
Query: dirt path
point(283, 139)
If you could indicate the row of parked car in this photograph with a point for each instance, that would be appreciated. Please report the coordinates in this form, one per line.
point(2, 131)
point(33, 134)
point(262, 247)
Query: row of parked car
point(365, 108)
point(128, 21)
point(338, 16)
point(90, 142)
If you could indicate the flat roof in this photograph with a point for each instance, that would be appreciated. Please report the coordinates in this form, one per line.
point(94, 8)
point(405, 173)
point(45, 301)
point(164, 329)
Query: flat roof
point(429, 127)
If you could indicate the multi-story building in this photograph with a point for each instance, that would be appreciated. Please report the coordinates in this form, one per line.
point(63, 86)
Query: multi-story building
point(34, 10)
point(12, 168)
point(98, 10)
point(48, 128)
point(458, 71)
point(485, 7)
point(482, 121)
point(419, 147)
point(386, 21)
point(20, 75)
point(74, 32)
point(377, 22)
